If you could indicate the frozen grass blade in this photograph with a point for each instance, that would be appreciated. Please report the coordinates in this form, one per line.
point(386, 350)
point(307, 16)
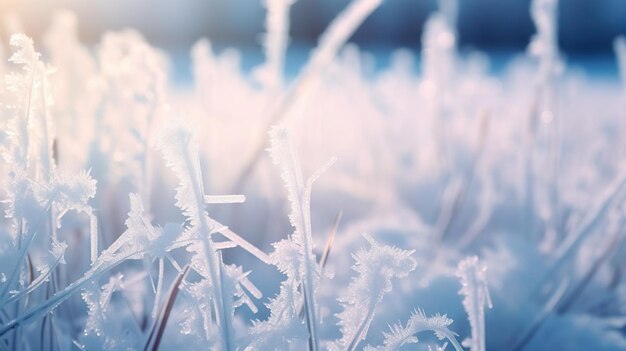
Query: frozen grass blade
point(299, 195)
point(224, 199)
point(180, 151)
point(34, 283)
point(244, 244)
point(23, 251)
point(104, 264)
point(472, 274)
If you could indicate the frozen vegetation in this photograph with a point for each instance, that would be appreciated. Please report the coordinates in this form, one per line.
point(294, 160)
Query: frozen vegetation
point(345, 208)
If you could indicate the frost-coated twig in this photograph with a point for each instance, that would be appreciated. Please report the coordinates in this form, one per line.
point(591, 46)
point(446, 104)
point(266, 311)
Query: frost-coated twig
point(244, 244)
point(376, 267)
point(473, 276)
point(181, 154)
point(300, 217)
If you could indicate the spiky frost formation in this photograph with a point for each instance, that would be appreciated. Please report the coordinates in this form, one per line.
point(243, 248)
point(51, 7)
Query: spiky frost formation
point(472, 274)
point(375, 267)
point(400, 335)
point(299, 194)
point(179, 147)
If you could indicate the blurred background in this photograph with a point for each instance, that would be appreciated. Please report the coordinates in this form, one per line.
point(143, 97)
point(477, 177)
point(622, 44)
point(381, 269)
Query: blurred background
point(586, 26)
point(501, 28)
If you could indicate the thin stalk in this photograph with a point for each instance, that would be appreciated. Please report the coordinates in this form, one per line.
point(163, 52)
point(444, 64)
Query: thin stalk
point(27, 116)
point(50, 304)
point(47, 157)
point(146, 164)
point(587, 226)
point(210, 257)
point(325, 254)
point(158, 328)
point(24, 250)
point(449, 215)
point(529, 172)
point(226, 308)
point(224, 199)
point(159, 287)
point(32, 286)
point(93, 234)
point(243, 243)
point(362, 330)
point(330, 240)
point(307, 283)
point(333, 38)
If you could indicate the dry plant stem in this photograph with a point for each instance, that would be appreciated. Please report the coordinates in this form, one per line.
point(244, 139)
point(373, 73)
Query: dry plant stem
point(159, 287)
point(154, 340)
point(329, 243)
point(331, 239)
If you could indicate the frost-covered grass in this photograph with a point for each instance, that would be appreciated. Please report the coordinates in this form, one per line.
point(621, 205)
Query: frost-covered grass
point(143, 217)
